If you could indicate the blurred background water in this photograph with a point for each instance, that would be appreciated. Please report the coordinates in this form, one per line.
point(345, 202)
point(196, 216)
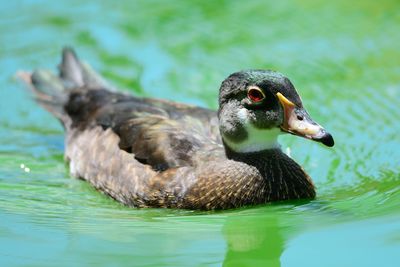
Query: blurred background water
point(342, 56)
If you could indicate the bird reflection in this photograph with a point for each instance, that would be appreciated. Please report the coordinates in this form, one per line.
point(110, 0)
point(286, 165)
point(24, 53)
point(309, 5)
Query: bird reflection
point(253, 241)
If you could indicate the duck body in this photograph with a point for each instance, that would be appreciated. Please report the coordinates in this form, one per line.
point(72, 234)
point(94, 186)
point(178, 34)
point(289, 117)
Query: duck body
point(154, 153)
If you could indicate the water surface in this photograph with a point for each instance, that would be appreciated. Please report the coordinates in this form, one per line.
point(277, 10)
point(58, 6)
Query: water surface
point(342, 56)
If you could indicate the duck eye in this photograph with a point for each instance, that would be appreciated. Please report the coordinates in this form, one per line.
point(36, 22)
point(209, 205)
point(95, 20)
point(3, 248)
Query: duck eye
point(255, 94)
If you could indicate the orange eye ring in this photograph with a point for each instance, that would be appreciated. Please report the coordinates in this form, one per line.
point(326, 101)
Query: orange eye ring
point(255, 94)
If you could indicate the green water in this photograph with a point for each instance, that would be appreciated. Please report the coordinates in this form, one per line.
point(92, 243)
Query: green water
point(344, 58)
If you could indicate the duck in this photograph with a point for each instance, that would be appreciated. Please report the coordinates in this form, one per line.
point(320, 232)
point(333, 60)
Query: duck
point(155, 153)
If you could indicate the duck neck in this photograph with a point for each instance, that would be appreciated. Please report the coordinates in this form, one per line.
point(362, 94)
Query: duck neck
point(284, 178)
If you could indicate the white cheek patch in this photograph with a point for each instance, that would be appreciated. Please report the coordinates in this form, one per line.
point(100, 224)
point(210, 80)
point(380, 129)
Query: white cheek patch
point(243, 115)
point(257, 139)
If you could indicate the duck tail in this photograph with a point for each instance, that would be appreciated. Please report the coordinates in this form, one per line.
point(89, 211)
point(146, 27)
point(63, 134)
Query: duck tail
point(75, 73)
point(52, 91)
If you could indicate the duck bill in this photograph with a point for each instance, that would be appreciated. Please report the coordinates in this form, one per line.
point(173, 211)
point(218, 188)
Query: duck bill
point(298, 122)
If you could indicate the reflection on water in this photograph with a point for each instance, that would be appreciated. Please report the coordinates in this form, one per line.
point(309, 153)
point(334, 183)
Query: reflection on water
point(342, 57)
point(253, 241)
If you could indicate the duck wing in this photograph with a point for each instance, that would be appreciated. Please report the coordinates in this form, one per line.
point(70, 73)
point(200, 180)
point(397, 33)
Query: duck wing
point(158, 133)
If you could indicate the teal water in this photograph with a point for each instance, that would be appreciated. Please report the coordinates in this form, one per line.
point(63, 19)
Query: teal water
point(343, 58)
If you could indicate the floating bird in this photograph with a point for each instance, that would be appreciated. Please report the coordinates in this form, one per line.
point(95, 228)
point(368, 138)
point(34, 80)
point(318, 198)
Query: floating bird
point(147, 152)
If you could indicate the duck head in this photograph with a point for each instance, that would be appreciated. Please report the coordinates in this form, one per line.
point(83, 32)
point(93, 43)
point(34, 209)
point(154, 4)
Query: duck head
point(256, 106)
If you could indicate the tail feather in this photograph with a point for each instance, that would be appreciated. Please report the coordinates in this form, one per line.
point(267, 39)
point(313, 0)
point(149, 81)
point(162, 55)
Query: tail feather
point(71, 69)
point(92, 79)
point(47, 83)
point(75, 73)
point(52, 91)
point(49, 91)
